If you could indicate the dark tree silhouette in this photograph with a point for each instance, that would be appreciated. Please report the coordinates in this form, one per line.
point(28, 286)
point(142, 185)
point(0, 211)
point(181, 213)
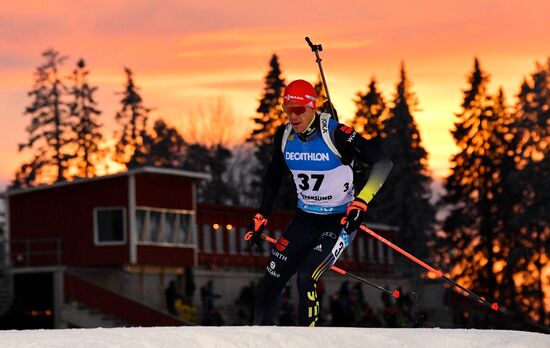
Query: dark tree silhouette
point(479, 230)
point(84, 111)
point(404, 200)
point(164, 147)
point(49, 127)
point(133, 118)
point(532, 158)
point(371, 110)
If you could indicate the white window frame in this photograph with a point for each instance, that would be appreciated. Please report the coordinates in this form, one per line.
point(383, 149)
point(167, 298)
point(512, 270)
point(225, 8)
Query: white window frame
point(97, 242)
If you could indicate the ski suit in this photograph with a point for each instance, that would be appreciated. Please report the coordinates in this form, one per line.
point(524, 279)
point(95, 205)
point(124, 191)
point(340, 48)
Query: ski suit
point(314, 239)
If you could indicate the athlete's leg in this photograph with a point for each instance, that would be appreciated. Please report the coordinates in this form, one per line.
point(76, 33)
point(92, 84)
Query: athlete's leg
point(283, 262)
point(320, 258)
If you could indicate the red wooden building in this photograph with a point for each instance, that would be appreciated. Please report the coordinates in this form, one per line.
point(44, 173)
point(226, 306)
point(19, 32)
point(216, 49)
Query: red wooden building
point(143, 216)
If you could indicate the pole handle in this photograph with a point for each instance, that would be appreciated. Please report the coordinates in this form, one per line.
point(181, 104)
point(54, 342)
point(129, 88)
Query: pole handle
point(314, 48)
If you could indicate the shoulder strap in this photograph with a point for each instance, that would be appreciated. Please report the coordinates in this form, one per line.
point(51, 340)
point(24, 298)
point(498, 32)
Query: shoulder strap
point(286, 134)
point(325, 132)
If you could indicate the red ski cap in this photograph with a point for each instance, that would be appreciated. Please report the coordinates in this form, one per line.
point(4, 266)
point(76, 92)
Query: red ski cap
point(300, 92)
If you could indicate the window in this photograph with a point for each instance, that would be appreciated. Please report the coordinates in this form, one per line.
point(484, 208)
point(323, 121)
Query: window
point(207, 238)
point(185, 236)
point(110, 226)
point(140, 224)
point(232, 238)
point(219, 239)
point(164, 226)
point(154, 226)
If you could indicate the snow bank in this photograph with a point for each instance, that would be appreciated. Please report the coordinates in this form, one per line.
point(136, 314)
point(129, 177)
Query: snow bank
point(271, 337)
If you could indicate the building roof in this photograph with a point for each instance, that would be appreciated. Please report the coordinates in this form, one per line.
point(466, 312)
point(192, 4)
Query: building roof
point(136, 171)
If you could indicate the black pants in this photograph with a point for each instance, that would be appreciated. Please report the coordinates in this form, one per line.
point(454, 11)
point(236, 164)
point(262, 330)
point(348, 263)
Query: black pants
point(308, 246)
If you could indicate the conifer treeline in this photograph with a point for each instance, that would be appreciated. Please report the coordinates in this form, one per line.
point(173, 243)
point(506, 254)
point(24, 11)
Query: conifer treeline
point(494, 239)
point(497, 236)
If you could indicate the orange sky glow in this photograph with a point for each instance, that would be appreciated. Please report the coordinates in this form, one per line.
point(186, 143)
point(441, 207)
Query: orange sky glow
point(185, 54)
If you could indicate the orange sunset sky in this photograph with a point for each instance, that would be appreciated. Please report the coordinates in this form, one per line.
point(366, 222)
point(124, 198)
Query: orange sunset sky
point(187, 53)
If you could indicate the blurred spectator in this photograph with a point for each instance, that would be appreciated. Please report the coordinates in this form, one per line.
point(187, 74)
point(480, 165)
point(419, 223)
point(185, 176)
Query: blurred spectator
point(187, 311)
point(358, 287)
point(171, 295)
point(190, 286)
point(246, 300)
point(208, 296)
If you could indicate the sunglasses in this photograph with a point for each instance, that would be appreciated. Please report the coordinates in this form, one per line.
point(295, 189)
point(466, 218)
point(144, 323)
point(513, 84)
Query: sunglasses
point(297, 110)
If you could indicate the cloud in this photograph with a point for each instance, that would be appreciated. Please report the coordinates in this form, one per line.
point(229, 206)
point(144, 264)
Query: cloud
point(256, 41)
point(246, 85)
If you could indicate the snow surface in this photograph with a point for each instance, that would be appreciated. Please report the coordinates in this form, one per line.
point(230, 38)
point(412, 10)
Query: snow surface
point(271, 337)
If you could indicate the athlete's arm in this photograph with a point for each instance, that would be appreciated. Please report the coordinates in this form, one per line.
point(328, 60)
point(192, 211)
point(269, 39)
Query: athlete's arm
point(348, 142)
point(274, 174)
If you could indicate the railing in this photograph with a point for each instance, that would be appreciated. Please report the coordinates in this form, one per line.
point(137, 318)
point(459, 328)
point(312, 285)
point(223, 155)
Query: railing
point(35, 252)
point(221, 230)
point(116, 305)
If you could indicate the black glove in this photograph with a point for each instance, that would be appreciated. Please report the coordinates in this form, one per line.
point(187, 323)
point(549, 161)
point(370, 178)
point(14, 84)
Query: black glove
point(255, 229)
point(354, 215)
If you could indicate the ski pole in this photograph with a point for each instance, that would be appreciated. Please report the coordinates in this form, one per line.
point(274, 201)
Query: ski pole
point(439, 274)
point(316, 49)
point(394, 293)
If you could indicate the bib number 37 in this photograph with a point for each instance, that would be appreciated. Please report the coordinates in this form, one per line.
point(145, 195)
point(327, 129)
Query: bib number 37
point(306, 179)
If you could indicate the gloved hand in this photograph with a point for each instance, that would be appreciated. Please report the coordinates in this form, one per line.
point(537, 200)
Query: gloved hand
point(354, 215)
point(255, 229)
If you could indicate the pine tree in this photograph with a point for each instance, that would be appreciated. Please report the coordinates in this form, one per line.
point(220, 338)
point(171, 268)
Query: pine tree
point(48, 130)
point(404, 199)
point(505, 198)
point(371, 110)
point(532, 159)
point(164, 147)
point(270, 117)
point(83, 110)
point(270, 113)
point(133, 119)
point(475, 228)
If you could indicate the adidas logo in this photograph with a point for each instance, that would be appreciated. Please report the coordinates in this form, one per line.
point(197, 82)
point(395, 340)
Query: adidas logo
point(318, 248)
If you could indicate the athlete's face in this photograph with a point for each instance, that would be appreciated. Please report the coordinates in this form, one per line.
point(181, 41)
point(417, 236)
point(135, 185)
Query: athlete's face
point(300, 117)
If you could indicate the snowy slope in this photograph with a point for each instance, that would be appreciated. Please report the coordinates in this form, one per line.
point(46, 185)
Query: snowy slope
point(271, 337)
